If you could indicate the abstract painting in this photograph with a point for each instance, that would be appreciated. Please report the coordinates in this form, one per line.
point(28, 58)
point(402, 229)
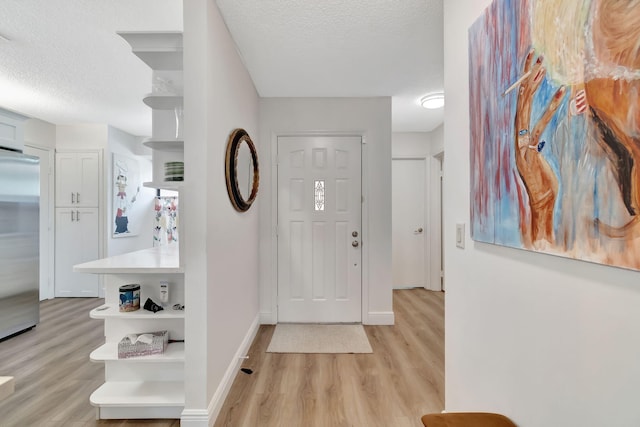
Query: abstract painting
point(555, 128)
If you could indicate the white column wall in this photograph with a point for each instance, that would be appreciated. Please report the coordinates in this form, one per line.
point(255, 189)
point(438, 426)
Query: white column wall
point(370, 117)
point(544, 340)
point(220, 250)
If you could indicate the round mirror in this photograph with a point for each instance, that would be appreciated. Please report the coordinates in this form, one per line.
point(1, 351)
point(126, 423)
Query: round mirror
point(241, 170)
point(244, 170)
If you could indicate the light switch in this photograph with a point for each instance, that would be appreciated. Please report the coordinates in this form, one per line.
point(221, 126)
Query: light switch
point(460, 235)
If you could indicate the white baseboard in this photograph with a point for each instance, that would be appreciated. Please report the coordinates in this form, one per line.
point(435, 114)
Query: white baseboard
point(194, 418)
point(227, 381)
point(206, 418)
point(380, 318)
point(267, 318)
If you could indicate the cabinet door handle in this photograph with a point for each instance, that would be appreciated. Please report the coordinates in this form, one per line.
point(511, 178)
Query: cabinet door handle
point(73, 200)
point(72, 216)
point(77, 215)
point(77, 197)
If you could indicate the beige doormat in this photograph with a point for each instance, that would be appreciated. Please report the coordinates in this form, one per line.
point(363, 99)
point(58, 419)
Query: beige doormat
point(306, 338)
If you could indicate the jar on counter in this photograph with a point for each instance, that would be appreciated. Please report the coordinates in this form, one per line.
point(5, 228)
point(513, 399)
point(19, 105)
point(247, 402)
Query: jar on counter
point(129, 297)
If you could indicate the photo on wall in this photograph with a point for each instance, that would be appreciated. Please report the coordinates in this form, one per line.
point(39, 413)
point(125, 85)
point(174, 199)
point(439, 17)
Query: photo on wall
point(555, 123)
point(126, 189)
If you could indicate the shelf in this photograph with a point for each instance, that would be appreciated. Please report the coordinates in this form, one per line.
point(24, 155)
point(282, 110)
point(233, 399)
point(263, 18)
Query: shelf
point(109, 352)
point(111, 312)
point(139, 394)
point(173, 145)
point(163, 101)
point(160, 51)
point(164, 185)
point(161, 259)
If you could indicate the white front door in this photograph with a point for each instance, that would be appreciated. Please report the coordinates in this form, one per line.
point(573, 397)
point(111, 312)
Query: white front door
point(319, 229)
point(408, 223)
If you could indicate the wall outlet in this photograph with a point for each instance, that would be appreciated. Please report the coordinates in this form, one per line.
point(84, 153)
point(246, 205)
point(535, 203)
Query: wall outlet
point(460, 236)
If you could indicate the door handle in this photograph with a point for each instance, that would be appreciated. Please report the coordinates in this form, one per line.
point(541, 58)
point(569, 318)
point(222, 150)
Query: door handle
point(77, 197)
point(77, 215)
point(355, 244)
point(72, 219)
point(73, 200)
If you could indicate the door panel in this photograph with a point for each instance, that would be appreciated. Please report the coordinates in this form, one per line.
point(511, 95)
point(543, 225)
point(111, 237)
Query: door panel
point(319, 208)
point(408, 223)
point(89, 179)
point(76, 242)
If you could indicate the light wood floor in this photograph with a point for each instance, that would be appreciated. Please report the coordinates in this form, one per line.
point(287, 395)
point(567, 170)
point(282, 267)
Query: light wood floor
point(393, 387)
point(402, 380)
point(52, 371)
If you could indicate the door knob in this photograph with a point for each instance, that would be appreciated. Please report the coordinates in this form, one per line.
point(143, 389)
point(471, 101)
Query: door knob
point(355, 243)
point(419, 230)
point(354, 234)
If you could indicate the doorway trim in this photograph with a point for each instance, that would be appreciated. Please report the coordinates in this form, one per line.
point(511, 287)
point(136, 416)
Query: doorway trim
point(436, 264)
point(272, 317)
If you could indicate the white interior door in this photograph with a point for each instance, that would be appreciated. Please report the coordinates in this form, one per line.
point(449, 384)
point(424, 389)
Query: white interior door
point(46, 219)
point(408, 223)
point(319, 229)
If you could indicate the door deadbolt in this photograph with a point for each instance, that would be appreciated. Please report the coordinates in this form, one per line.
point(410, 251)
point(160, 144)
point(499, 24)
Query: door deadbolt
point(355, 243)
point(354, 234)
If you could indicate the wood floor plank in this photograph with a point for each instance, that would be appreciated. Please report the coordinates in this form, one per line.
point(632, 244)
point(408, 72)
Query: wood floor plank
point(399, 382)
point(394, 386)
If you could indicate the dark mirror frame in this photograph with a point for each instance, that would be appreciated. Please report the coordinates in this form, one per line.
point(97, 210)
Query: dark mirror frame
point(237, 137)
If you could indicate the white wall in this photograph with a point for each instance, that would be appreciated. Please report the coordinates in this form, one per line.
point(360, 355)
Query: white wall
point(220, 251)
point(437, 139)
point(408, 144)
point(125, 144)
point(81, 136)
point(544, 340)
point(40, 133)
point(370, 117)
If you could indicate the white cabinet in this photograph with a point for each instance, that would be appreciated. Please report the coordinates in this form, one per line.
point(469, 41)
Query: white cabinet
point(149, 386)
point(78, 179)
point(12, 130)
point(77, 237)
point(77, 241)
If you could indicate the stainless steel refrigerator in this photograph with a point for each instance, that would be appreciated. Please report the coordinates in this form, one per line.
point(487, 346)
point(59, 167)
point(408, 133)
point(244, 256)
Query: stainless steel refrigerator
point(19, 242)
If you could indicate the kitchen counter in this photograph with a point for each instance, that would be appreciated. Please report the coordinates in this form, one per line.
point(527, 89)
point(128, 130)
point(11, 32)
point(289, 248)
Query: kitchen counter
point(161, 259)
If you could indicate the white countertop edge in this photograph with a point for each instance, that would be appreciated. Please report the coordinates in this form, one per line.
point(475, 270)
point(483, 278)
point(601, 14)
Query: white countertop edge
point(161, 259)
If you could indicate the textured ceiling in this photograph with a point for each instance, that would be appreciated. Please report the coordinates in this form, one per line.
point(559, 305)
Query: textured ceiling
point(344, 48)
point(65, 64)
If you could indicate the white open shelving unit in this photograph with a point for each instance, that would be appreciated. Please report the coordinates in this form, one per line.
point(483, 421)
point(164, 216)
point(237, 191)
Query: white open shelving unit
point(162, 52)
point(148, 386)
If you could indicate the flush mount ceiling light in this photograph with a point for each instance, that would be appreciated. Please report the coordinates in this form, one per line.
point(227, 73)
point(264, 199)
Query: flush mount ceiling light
point(433, 101)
